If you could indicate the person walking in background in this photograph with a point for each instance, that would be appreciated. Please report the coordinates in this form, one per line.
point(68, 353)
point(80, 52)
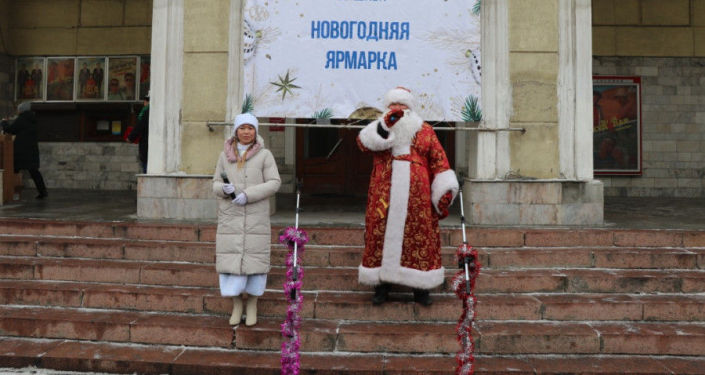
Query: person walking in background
point(141, 134)
point(26, 147)
point(246, 175)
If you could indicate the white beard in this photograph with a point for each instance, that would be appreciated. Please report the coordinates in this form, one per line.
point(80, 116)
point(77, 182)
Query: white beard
point(404, 131)
point(400, 137)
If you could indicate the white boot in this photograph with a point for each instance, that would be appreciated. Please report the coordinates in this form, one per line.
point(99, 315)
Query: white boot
point(236, 317)
point(251, 312)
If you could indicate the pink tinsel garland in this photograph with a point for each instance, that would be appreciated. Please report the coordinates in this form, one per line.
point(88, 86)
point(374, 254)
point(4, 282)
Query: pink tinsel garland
point(291, 361)
point(465, 357)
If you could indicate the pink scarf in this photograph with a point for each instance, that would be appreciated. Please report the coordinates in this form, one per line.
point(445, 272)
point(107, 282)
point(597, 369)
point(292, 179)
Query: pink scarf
point(234, 156)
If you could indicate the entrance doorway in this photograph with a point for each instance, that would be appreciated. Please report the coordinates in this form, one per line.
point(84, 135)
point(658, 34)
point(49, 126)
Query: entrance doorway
point(329, 161)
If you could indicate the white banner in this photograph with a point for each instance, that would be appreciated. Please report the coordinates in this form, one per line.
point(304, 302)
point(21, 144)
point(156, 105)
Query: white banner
point(316, 58)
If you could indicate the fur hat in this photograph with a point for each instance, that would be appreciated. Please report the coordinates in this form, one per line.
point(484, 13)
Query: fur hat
point(24, 107)
point(400, 95)
point(245, 118)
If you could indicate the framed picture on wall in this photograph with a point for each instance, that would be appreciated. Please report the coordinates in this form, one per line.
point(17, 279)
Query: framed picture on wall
point(122, 73)
point(30, 78)
point(90, 78)
point(60, 72)
point(616, 125)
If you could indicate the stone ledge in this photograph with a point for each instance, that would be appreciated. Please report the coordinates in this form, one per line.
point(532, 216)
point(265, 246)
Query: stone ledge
point(534, 202)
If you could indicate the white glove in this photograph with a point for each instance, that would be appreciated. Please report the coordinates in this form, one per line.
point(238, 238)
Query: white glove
point(240, 199)
point(228, 189)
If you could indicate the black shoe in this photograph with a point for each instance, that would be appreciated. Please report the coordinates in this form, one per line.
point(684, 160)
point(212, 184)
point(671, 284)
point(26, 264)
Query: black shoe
point(381, 293)
point(422, 297)
point(41, 196)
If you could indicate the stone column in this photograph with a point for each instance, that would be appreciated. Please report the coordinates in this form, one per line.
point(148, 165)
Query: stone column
point(196, 77)
point(166, 86)
point(536, 75)
point(166, 191)
point(492, 160)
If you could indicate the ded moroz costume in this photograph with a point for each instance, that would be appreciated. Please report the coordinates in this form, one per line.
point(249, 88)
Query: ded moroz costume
point(411, 187)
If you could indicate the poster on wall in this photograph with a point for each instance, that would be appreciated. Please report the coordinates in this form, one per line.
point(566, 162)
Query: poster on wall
point(616, 125)
point(30, 78)
point(145, 71)
point(307, 57)
point(60, 72)
point(122, 72)
point(91, 76)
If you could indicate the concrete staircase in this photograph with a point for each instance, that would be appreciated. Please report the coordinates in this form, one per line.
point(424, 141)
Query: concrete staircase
point(142, 297)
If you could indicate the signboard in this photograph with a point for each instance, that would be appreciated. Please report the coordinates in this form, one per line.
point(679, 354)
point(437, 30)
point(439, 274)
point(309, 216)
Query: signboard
point(309, 57)
point(617, 125)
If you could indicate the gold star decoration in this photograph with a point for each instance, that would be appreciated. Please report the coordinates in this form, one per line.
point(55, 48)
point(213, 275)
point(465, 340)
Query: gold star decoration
point(285, 85)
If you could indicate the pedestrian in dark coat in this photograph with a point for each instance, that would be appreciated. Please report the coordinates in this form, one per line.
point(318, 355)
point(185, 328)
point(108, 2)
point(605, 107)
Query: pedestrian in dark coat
point(26, 147)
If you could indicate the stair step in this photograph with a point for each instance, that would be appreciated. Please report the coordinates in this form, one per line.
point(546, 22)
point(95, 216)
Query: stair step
point(107, 357)
point(124, 326)
point(134, 230)
point(355, 305)
point(492, 337)
point(345, 279)
point(450, 234)
point(350, 256)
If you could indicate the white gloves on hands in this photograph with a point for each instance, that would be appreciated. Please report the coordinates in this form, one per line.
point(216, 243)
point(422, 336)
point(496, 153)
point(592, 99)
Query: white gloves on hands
point(240, 199)
point(228, 189)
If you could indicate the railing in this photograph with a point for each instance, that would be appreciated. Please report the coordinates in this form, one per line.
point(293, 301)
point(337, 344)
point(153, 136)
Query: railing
point(460, 126)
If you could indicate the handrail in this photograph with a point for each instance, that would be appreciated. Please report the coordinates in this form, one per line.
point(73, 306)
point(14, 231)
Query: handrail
point(354, 125)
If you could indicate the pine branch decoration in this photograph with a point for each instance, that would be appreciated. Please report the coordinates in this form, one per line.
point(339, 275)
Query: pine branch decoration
point(248, 105)
point(325, 113)
point(477, 7)
point(471, 111)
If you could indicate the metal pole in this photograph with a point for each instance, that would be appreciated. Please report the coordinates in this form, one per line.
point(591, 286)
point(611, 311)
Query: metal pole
point(295, 268)
point(211, 124)
point(465, 240)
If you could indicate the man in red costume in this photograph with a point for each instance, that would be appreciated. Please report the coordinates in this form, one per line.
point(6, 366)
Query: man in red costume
point(411, 187)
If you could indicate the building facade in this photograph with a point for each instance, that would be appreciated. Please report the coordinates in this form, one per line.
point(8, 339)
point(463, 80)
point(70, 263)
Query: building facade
point(538, 59)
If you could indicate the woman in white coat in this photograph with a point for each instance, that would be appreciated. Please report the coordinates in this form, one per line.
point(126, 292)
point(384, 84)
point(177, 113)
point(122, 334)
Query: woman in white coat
point(243, 238)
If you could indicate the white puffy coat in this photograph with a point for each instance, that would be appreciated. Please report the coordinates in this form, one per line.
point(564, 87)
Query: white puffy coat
point(243, 238)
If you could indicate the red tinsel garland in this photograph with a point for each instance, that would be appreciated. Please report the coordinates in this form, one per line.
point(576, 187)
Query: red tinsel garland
point(465, 357)
point(290, 360)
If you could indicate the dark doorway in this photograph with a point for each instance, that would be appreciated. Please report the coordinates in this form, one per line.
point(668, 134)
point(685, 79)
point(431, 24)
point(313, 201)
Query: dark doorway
point(329, 161)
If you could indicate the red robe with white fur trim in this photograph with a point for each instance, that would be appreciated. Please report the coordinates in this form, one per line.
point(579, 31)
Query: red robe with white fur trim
point(410, 175)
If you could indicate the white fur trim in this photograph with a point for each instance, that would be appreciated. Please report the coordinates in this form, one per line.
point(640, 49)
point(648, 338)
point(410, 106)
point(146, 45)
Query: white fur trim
point(442, 183)
point(372, 140)
point(405, 130)
point(399, 95)
point(402, 276)
point(396, 216)
point(368, 276)
point(414, 278)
